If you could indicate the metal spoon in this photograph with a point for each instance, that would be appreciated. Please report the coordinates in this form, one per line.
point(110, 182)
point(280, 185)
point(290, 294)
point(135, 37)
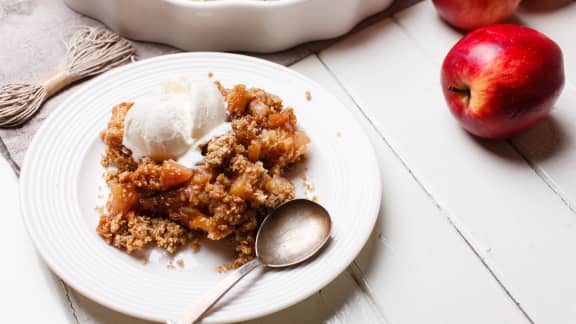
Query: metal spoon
point(291, 234)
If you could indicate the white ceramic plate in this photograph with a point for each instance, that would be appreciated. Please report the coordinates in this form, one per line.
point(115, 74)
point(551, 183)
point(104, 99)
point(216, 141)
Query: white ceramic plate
point(61, 185)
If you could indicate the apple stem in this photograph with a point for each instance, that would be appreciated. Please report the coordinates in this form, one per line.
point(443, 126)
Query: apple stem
point(462, 92)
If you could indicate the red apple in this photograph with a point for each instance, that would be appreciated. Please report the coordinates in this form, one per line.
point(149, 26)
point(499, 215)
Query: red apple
point(500, 80)
point(471, 14)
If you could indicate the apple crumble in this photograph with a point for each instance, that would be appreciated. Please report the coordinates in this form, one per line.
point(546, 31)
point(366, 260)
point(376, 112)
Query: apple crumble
point(238, 181)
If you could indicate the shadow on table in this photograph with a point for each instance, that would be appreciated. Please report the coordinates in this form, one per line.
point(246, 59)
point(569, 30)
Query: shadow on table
point(537, 7)
point(543, 142)
point(543, 6)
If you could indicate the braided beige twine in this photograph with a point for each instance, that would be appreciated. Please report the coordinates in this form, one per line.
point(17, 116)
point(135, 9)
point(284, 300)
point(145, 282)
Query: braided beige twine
point(90, 51)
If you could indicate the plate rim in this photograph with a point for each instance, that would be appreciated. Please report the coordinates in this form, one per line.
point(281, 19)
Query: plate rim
point(86, 291)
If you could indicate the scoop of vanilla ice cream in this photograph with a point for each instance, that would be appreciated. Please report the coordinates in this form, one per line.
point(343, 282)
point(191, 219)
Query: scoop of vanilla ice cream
point(207, 107)
point(159, 126)
point(164, 125)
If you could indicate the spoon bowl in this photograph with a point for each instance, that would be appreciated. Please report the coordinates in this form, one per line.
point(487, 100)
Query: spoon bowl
point(292, 233)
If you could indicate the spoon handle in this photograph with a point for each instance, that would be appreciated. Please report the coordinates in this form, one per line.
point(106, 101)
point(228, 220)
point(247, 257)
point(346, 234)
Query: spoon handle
point(195, 313)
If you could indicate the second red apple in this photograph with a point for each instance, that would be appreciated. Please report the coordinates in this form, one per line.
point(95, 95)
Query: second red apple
point(471, 14)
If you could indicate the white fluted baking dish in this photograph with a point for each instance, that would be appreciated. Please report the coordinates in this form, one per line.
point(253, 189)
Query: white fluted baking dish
point(230, 25)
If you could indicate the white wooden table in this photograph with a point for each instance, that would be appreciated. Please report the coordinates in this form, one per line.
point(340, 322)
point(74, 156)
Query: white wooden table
point(469, 231)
